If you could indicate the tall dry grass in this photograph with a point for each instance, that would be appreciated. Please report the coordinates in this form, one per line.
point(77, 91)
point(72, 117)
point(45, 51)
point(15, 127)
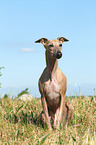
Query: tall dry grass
point(19, 123)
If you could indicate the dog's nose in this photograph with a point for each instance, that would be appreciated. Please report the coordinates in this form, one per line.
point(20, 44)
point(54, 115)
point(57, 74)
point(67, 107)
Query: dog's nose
point(59, 54)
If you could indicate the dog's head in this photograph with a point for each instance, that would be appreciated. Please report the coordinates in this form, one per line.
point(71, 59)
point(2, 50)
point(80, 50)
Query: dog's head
point(53, 46)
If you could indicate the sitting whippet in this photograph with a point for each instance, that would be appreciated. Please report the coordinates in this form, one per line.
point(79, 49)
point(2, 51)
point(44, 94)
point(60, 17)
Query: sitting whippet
point(53, 85)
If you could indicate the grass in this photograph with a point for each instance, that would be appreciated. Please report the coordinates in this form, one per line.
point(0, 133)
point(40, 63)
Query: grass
point(19, 123)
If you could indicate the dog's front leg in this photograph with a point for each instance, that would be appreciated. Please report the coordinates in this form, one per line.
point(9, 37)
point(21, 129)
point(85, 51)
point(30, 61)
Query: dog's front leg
point(45, 109)
point(62, 104)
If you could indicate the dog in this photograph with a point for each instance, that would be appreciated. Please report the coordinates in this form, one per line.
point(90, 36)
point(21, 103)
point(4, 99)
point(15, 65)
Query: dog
point(53, 85)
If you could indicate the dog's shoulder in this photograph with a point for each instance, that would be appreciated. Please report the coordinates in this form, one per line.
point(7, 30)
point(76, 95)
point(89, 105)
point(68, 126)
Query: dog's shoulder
point(44, 77)
point(60, 75)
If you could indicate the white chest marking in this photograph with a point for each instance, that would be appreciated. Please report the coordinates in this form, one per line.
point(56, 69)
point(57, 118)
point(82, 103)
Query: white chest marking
point(51, 89)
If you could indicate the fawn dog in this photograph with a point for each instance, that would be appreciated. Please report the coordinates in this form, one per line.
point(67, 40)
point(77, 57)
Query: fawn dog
point(52, 86)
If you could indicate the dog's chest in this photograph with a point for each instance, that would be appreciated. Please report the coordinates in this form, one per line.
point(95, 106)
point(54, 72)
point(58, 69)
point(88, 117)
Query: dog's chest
point(51, 89)
point(52, 95)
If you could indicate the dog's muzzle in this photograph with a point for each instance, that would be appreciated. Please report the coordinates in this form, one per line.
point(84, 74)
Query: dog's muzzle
point(58, 55)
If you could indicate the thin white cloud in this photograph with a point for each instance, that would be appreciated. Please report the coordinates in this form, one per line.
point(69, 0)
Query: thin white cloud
point(27, 50)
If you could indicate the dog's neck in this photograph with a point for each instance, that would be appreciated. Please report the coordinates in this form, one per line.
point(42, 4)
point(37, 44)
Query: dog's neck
point(52, 65)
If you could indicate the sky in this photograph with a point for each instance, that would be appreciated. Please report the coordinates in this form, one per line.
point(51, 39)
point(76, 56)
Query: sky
point(24, 21)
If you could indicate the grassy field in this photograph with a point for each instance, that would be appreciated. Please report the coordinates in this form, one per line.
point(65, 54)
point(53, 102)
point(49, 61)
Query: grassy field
point(19, 123)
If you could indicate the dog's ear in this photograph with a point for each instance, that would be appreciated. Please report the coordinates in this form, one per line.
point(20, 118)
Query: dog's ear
point(42, 40)
point(62, 39)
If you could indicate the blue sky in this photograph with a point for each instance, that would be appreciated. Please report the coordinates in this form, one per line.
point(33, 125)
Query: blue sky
point(24, 21)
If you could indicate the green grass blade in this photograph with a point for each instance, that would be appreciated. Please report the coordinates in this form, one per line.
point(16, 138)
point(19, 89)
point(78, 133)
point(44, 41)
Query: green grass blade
point(44, 138)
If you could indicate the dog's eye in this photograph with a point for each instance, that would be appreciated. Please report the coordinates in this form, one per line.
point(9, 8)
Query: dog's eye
point(51, 45)
point(60, 45)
